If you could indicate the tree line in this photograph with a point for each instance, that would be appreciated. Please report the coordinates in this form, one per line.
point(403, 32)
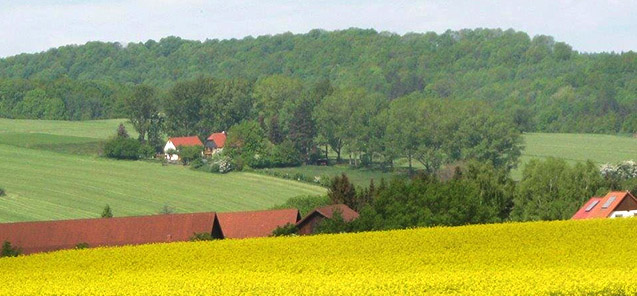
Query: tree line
point(280, 121)
point(477, 193)
point(543, 84)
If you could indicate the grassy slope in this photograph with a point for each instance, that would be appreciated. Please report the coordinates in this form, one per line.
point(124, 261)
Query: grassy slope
point(98, 129)
point(43, 185)
point(577, 147)
point(537, 258)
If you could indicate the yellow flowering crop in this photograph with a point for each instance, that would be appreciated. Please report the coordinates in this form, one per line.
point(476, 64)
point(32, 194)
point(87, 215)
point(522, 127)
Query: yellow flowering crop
point(541, 258)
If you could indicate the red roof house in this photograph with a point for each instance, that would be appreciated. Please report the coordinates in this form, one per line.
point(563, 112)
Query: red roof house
point(215, 143)
point(253, 223)
point(309, 223)
point(219, 139)
point(173, 144)
point(44, 236)
point(185, 141)
point(614, 204)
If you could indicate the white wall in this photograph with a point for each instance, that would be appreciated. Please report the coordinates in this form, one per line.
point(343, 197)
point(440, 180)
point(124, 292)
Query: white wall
point(170, 146)
point(624, 214)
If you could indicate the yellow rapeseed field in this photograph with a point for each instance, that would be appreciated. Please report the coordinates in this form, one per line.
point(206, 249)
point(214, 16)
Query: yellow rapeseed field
point(541, 258)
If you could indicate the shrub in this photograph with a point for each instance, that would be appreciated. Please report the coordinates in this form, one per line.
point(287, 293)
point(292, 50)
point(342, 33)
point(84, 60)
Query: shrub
point(123, 148)
point(203, 236)
point(334, 225)
point(2, 192)
point(189, 153)
point(166, 209)
point(146, 151)
point(9, 251)
point(81, 246)
point(219, 163)
point(285, 155)
point(285, 230)
point(107, 212)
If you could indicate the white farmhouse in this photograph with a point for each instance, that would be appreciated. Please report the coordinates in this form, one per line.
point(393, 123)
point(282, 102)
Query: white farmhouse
point(173, 144)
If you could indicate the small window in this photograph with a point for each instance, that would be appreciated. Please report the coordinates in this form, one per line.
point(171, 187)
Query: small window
point(609, 202)
point(591, 206)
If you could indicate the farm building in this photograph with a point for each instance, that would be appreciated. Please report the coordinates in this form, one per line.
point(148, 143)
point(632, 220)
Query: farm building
point(309, 223)
point(614, 204)
point(174, 143)
point(254, 223)
point(215, 143)
point(33, 237)
point(44, 236)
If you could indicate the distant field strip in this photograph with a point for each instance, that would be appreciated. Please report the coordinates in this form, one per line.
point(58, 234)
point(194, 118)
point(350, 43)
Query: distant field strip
point(43, 185)
point(581, 147)
point(535, 258)
point(98, 129)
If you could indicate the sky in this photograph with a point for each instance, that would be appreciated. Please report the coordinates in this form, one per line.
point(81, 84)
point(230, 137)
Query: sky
point(37, 25)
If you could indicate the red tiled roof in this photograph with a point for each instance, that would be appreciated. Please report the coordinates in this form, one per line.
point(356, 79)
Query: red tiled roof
point(255, 223)
point(44, 236)
point(617, 198)
point(219, 139)
point(328, 212)
point(186, 141)
point(582, 213)
point(613, 199)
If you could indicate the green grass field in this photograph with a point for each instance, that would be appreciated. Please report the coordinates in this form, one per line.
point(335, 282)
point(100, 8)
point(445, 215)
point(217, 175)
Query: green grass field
point(50, 171)
point(577, 147)
point(98, 129)
point(43, 185)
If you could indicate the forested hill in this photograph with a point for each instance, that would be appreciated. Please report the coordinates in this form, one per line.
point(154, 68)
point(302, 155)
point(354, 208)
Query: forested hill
point(543, 84)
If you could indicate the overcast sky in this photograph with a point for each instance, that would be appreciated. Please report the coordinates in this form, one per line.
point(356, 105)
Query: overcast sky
point(33, 26)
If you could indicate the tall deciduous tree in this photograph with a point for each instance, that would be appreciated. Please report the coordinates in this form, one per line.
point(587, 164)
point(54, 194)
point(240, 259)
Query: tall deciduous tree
point(552, 189)
point(303, 128)
point(183, 107)
point(141, 107)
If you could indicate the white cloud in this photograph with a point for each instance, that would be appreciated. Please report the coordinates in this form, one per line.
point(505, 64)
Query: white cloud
point(38, 25)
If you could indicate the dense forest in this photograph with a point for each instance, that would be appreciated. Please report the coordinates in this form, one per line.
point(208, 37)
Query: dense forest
point(543, 85)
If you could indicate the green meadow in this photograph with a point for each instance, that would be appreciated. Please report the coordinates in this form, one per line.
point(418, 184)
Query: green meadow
point(577, 148)
point(49, 172)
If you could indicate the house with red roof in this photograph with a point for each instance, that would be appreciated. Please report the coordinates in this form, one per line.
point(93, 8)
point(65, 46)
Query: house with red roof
point(614, 204)
point(215, 143)
point(173, 144)
point(308, 224)
point(253, 223)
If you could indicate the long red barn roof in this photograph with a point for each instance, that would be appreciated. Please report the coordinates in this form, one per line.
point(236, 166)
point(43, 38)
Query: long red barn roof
point(255, 223)
point(45, 236)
